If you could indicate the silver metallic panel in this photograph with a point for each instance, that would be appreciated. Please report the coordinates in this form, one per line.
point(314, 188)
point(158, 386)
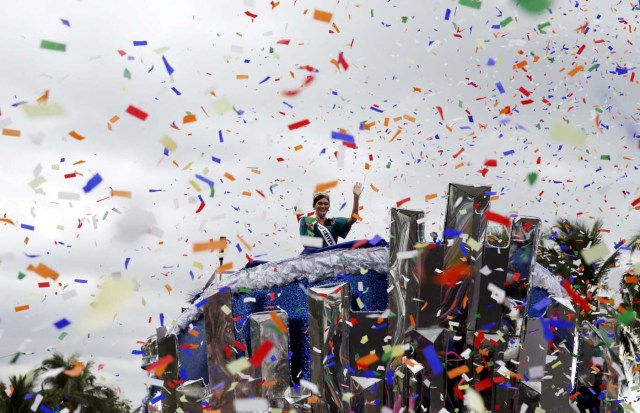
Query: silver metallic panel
point(218, 322)
point(274, 369)
point(168, 345)
point(367, 394)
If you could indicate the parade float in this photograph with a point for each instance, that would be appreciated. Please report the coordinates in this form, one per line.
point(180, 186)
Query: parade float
point(456, 324)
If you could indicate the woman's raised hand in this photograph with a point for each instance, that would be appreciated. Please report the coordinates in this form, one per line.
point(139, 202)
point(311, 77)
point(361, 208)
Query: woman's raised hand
point(357, 189)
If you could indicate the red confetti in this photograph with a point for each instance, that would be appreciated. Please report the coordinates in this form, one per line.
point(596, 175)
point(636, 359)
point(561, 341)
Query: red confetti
point(497, 218)
point(491, 163)
point(440, 112)
point(160, 366)
point(575, 296)
point(284, 41)
point(134, 111)
point(201, 207)
point(248, 13)
point(483, 384)
point(636, 202)
point(342, 62)
point(403, 201)
point(458, 153)
point(300, 124)
point(452, 275)
point(239, 345)
point(261, 353)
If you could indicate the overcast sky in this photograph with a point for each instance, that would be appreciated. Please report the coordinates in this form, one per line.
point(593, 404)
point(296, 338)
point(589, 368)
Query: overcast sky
point(442, 87)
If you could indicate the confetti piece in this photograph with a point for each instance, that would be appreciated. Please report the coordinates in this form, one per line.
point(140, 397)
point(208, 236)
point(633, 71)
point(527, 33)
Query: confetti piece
point(403, 201)
point(595, 253)
point(229, 176)
point(19, 308)
point(92, 183)
point(238, 365)
point(567, 134)
point(364, 362)
point(458, 371)
point(471, 3)
point(76, 371)
point(209, 245)
point(76, 135)
point(322, 16)
point(300, 124)
point(44, 271)
point(566, 284)
point(433, 360)
point(497, 218)
point(189, 118)
point(135, 112)
point(534, 6)
point(325, 186)
point(123, 194)
point(627, 317)
point(167, 66)
point(473, 400)
point(168, 143)
point(261, 353)
point(112, 297)
point(279, 324)
point(450, 276)
point(62, 323)
point(158, 367)
point(43, 110)
point(49, 45)
point(11, 132)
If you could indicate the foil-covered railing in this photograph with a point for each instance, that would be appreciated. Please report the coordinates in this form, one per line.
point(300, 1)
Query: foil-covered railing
point(465, 319)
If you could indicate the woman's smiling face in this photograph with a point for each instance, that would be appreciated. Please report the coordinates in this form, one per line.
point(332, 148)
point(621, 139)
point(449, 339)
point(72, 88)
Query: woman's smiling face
point(322, 207)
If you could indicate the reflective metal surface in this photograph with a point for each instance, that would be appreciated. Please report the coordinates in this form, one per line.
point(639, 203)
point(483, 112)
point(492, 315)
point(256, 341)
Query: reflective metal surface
point(190, 396)
point(329, 309)
point(218, 321)
point(367, 394)
point(366, 335)
point(168, 346)
point(274, 369)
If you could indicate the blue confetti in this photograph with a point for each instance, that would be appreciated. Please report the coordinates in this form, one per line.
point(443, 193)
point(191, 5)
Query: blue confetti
point(265, 79)
point(61, 323)
point(126, 263)
point(447, 14)
point(342, 137)
point(65, 22)
point(500, 88)
point(433, 359)
point(167, 65)
point(216, 160)
point(176, 91)
point(139, 42)
point(220, 136)
point(93, 182)
point(205, 180)
point(29, 227)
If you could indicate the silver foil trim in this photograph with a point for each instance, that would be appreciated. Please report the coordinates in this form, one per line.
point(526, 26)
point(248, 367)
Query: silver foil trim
point(367, 394)
point(168, 345)
point(275, 366)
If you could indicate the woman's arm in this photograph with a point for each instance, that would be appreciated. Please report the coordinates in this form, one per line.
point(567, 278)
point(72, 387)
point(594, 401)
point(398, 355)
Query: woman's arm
point(357, 190)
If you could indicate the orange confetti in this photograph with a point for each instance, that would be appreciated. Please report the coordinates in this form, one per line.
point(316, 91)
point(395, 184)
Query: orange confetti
point(21, 308)
point(189, 118)
point(453, 274)
point(458, 371)
point(124, 194)
point(323, 16)
point(43, 271)
point(575, 70)
point(278, 322)
point(412, 320)
point(229, 176)
point(409, 118)
point(7, 220)
point(193, 332)
point(224, 267)
point(76, 371)
point(629, 279)
point(364, 361)
point(245, 243)
point(242, 76)
point(604, 300)
point(168, 288)
point(396, 135)
point(76, 135)
point(297, 147)
point(44, 97)
point(161, 365)
point(326, 186)
point(11, 132)
point(430, 197)
point(209, 245)
point(373, 188)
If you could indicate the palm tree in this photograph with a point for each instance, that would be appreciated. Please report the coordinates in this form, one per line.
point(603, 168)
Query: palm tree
point(63, 390)
point(561, 254)
point(21, 386)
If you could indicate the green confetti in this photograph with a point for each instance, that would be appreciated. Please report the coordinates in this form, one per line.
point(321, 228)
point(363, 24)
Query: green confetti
point(532, 178)
point(58, 47)
point(541, 27)
point(127, 73)
point(471, 3)
point(271, 50)
point(404, 19)
point(213, 191)
point(594, 67)
point(371, 12)
point(627, 317)
point(388, 165)
point(245, 290)
point(534, 6)
point(62, 336)
point(605, 157)
point(506, 21)
point(598, 110)
point(21, 275)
